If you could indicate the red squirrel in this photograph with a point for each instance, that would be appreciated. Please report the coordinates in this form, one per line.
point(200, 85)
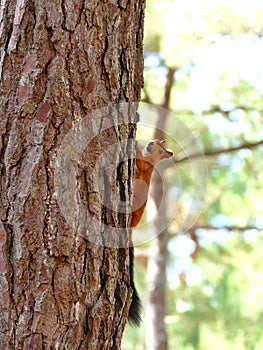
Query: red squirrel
point(146, 161)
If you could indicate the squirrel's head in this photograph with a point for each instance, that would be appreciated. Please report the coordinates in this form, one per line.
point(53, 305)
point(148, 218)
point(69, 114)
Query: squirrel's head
point(155, 151)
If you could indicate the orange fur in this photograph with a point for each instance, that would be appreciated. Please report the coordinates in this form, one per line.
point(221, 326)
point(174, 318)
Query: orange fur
point(153, 153)
point(146, 160)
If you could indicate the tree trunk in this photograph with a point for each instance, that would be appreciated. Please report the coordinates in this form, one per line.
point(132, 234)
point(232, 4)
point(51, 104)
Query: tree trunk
point(66, 170)
point(156, 335)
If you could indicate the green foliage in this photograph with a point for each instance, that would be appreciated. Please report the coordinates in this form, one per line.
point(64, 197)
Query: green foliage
point(216, 48)
point(175, 29)
point(225, 309)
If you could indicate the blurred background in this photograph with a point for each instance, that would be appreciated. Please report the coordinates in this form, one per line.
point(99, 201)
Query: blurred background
point(201, 280)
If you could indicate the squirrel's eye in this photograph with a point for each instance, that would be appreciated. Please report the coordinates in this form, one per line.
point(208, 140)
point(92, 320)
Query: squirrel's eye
point(160, 150)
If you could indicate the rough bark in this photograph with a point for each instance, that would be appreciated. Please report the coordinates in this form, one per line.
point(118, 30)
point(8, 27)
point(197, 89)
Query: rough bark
point(60, 61)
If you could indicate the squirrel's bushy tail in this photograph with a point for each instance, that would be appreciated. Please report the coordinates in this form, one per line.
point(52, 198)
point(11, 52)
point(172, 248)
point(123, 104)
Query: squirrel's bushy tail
point(134, 318)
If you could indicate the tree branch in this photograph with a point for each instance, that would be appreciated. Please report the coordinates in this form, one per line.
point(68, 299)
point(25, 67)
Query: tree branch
point(216, 109)
point(228, 228)
point(216, 152)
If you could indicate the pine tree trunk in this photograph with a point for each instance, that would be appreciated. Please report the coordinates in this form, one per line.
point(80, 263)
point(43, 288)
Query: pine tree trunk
point(66, 170)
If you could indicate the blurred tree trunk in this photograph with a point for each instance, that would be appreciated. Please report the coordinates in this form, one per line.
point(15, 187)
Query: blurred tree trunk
point(60, 61)
point(156, 335)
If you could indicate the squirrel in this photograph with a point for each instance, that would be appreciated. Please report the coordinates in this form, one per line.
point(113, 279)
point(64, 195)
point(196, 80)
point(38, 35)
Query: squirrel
point(146, 161)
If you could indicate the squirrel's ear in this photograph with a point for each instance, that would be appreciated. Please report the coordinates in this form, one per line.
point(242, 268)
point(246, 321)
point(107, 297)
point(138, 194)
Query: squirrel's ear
point(163, 142)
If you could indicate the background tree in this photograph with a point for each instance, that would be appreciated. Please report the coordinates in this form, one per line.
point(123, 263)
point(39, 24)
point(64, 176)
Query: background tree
point(214, 50)
point(64, 283)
